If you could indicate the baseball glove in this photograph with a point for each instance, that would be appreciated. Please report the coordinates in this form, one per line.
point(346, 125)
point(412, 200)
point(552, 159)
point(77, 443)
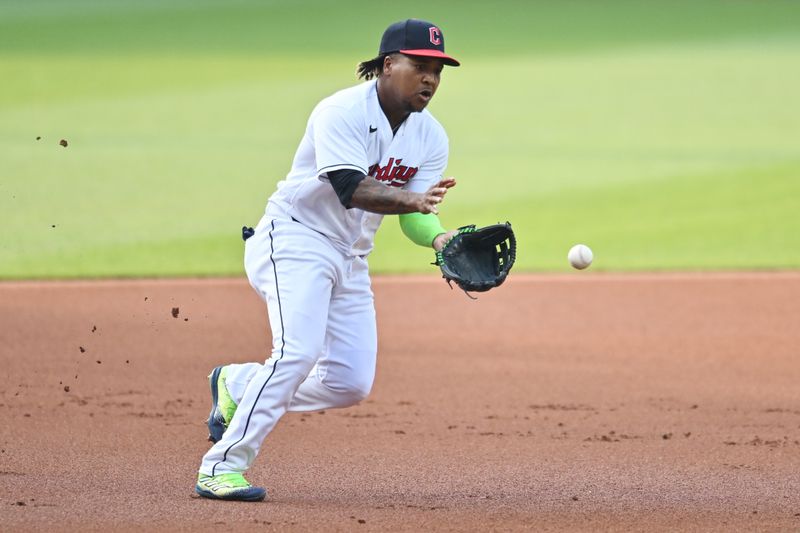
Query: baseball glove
point(478, 259)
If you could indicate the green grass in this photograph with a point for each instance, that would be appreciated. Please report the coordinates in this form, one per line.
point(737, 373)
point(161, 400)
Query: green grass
point(663, 134)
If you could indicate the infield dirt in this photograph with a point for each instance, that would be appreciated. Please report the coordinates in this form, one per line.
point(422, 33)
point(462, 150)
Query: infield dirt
point(575, 402)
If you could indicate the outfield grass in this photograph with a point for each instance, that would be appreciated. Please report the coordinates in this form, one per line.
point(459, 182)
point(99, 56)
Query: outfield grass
point(666, 135)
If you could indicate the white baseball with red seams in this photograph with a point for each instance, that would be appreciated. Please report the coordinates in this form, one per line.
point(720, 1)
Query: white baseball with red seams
point(580, 256)
point(308, 261)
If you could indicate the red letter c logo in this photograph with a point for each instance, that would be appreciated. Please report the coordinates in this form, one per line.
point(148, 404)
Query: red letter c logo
point(436, 35)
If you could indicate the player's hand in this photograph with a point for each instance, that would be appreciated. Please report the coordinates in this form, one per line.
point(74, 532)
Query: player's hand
point(442, 239)
point(430, 200)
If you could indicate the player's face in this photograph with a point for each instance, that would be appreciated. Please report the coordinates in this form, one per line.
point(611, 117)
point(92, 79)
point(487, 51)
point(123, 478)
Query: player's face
point(413, 80)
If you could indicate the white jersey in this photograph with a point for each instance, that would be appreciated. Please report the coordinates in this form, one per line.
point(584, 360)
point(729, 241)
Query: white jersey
point(349, 130)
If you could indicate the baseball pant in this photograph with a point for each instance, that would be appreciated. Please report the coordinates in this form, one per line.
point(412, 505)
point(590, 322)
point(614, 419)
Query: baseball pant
point(324, 340)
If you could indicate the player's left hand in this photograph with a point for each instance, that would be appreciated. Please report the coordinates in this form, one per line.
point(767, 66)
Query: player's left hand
point(478, 259)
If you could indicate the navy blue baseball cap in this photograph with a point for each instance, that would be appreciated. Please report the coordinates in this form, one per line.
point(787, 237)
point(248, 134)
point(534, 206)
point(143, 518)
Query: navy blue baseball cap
point(415, 37)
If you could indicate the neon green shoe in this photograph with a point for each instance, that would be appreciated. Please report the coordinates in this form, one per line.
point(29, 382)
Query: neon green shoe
point(222, 405)
point(231, 486)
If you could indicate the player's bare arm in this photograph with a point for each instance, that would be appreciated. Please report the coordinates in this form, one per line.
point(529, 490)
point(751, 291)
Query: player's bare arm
point(372, 195)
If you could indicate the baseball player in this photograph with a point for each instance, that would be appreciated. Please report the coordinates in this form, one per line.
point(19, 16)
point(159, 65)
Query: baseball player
point(368, 151)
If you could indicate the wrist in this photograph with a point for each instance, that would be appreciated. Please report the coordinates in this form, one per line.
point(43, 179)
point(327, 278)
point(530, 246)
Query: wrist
point(439, 241)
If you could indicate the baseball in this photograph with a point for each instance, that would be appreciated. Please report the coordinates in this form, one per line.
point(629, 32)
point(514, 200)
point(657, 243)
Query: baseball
point(580, 256)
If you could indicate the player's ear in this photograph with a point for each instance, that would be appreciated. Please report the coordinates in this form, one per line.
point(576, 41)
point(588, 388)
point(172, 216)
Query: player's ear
point(388, 62)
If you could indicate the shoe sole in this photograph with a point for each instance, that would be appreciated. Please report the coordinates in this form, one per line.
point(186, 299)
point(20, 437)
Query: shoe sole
point(215, 427)
point(257, 495)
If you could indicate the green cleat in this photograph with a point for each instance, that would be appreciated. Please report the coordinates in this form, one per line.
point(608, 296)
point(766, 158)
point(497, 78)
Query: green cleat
point(222, 405)
point(231, 486)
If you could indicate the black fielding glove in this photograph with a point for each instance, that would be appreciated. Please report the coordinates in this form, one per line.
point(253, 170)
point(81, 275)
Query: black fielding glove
point(478, 259)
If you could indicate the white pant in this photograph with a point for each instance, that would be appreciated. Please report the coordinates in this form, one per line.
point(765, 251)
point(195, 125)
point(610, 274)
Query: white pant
point(324, 340)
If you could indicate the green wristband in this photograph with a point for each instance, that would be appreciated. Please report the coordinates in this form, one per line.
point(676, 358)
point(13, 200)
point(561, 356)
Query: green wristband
point(421, 229)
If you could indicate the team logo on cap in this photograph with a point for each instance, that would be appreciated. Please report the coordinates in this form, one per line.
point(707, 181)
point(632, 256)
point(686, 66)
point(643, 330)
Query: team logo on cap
point(436, 35)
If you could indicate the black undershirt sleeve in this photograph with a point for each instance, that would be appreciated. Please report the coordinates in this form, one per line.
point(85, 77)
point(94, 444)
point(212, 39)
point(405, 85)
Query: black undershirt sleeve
point(344, 183)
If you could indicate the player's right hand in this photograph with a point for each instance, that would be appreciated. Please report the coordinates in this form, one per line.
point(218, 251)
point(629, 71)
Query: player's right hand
point(433, 197)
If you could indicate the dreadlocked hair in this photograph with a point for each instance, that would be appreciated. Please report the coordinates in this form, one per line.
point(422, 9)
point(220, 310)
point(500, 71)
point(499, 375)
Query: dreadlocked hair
point(370, 69)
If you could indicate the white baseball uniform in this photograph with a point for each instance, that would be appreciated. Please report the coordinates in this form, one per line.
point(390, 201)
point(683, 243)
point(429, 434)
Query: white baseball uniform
point(307, 260)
